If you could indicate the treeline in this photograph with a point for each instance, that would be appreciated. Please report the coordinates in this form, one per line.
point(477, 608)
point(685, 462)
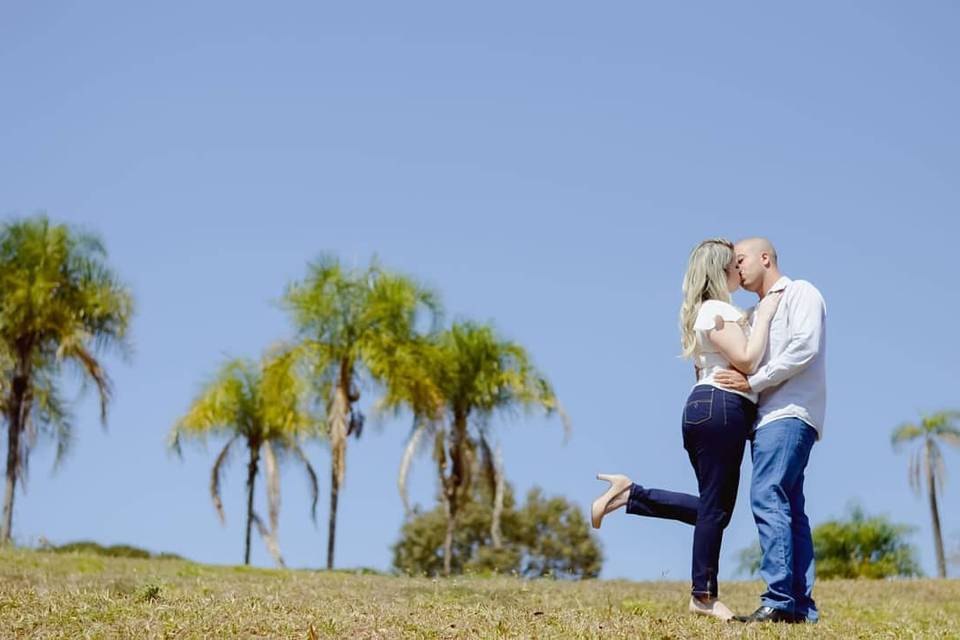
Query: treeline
point(353, 329)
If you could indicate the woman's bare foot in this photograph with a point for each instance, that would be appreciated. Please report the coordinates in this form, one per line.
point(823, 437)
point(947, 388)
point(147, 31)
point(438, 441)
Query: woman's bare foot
point(710, 607)
point(612, 499)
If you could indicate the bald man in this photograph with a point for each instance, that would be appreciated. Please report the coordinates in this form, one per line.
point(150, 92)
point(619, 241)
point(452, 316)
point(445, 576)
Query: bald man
point(791, 382)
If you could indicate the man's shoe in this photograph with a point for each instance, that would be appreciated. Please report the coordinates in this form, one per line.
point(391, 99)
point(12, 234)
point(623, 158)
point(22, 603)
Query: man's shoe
point(767, 614)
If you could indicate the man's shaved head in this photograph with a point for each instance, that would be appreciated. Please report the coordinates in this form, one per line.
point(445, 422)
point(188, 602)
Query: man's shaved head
point(757, 263)
point(758, 245)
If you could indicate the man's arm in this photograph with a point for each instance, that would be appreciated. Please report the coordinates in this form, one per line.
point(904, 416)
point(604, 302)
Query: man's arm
point(805, 316)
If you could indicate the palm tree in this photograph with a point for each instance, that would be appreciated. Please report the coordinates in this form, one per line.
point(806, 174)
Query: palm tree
point(933, 429)
point(454, 386)
point(353, 325)
point(267, 408)
point(61, 306)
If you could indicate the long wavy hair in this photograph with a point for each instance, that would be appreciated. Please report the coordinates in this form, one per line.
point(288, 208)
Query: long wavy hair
point(706, 279)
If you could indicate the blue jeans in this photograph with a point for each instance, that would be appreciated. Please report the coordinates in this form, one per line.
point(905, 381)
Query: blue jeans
point(715, 428)
point(780, 453)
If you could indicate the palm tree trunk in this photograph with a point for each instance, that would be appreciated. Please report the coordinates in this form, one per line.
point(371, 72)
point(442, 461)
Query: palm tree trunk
point(448, 540)
point(332, 522)
point(251, 478)
point(446, 495)
point(13, 462)
point(454, 484)
point(495, 536)
point(338, 451)
point(935, 514)
point(15, 422)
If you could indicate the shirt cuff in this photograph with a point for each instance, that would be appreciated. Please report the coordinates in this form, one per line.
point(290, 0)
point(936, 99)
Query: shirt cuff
point(759, 381)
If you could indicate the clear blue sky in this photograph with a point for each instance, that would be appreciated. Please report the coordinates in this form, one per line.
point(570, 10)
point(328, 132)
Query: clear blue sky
point(546, 166)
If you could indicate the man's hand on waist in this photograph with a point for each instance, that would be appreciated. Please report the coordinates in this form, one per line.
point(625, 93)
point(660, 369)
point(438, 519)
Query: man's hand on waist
point(733, 380)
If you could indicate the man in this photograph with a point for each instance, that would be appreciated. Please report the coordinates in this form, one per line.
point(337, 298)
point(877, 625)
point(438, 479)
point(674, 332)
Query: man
point(791, 382)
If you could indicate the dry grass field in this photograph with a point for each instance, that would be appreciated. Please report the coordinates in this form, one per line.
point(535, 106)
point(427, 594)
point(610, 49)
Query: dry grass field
point(47, 595)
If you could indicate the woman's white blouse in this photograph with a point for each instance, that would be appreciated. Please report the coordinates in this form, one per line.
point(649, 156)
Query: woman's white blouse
point(706, 356)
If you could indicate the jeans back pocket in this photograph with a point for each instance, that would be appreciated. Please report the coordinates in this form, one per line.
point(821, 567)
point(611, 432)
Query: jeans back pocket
point(699, 407)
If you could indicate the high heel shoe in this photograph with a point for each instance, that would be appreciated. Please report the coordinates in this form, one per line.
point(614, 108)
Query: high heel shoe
point(711, 607)
point(618, 483)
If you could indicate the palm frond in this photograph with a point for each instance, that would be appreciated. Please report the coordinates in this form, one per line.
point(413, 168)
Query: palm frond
point(269, 538)
point(936, 420)
point(227, 404)
point(914, 468)
point(566, 421)
point(413, 444)
point(218, 466)
point(50, 413)
point(952, 439)
point(905, 433)
point(287, 407)
point(311, 477)
point(946, 427)
point(71, 348)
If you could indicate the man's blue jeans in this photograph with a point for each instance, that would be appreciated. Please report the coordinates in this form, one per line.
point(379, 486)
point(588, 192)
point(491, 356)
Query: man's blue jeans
point(780, 453)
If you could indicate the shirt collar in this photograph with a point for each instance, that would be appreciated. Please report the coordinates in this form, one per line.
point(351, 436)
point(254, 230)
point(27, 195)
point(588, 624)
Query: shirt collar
point(780, 284)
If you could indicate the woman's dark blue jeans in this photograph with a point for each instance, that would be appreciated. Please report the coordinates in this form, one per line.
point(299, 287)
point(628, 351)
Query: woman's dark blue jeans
point(716, 424)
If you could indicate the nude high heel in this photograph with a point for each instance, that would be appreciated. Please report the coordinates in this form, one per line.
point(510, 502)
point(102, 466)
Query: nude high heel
point(618, 483)
point(713, 608)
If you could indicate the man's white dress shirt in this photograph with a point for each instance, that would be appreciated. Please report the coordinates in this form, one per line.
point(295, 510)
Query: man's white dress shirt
point(791, 378)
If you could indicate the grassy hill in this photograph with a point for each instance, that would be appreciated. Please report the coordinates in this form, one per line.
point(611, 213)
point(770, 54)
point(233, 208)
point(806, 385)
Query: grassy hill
point(77, 595)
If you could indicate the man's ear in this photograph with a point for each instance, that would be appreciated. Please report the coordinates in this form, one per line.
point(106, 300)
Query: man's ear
point(765, 259)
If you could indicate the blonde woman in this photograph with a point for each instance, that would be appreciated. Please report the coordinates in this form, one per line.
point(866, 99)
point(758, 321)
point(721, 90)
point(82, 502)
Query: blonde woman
point(716, 421)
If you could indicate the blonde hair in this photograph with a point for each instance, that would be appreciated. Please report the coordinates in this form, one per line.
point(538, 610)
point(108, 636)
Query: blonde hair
point(706, 279)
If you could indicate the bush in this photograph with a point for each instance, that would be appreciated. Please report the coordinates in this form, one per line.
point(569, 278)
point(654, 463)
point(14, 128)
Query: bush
point(546, 537)
point(113, 551)
point(864, 547)
point(859, 546)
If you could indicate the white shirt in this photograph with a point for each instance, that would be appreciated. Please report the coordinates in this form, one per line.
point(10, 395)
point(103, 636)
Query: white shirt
point(706, 355)
point(791, 379)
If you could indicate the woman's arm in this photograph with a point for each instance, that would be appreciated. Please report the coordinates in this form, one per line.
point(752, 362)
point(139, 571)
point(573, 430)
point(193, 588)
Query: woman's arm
point(744, 354)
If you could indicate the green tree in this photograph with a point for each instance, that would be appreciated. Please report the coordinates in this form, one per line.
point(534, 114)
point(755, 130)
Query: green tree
point(864, 547)
point(61, 307)
point(353, 325)
point(858, 546)
point(926, 461)
point(455, 384)
point(544, 537)
point(749, 559)
point(267, 408)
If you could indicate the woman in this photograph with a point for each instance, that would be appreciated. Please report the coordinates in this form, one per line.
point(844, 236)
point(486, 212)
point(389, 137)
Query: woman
point(716, 422)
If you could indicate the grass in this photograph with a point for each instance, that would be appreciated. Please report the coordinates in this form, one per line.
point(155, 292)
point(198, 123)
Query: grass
point(76, 595)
